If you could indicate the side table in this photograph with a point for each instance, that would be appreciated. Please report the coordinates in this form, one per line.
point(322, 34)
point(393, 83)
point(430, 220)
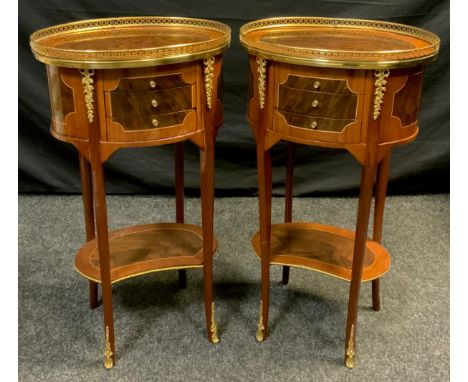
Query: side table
point(134, 82)
point(338, 83)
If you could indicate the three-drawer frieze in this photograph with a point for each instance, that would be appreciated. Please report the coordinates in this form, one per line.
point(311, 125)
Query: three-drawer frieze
point(150, 102)
point(142, 102)
point(317, 108)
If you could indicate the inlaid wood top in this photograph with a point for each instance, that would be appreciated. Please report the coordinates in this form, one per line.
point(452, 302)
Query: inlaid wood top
point(129, 42)
point(339, 42)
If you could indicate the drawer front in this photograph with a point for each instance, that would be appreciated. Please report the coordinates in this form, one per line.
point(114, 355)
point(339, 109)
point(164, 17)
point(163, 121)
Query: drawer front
point(149, 103)
point(317, 124)
point(132, 122)
point(317, 104)
point(151, 127)
point(316, 129)
point(142, 84)
point(326, 85)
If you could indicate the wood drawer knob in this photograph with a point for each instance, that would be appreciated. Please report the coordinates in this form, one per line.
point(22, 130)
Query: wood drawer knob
point(154, 103)
point(314, 124)
point(155, 122)
point(315, 103)
point(152, 84)
point(316, 84)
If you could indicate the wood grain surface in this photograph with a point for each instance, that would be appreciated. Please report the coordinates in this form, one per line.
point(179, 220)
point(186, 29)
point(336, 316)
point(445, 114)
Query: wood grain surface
point(145, 248)
point(326, 249)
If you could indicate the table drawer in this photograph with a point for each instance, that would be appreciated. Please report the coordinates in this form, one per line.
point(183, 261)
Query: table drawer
point(149, 103)
point(315, 83)
point(130, 128)
point(315, 123)
point(145, 83)
point(307, 128)
point(131, 122)
point(317, 104)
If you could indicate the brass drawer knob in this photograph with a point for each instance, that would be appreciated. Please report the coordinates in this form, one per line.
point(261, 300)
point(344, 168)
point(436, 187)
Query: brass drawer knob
point(316, 84)
point(315, 103)
point(152, 84)
point(154, 103)
point(155, 122)
point(314, 124)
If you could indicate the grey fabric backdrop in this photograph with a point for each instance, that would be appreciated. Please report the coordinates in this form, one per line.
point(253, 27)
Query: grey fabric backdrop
point(49, 166)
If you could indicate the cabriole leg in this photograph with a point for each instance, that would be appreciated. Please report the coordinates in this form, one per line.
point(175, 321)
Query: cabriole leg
point(207, 200)
point(383, 170)
point(365, 200)
point(104, 263)
point(87, 194)
point(264, 196)
point(179, 186)
point(288, 197)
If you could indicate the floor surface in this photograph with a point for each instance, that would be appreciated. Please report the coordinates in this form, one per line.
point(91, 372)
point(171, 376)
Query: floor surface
point(160, 329)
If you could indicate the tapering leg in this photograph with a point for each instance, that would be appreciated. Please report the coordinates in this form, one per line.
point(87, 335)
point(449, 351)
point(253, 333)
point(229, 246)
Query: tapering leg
point(179, 186)
point(87, 194)
point(104, 263)
point(264, 196)
point(383, 170)
point(207, 200)
point(288, 195)
point(365, 199)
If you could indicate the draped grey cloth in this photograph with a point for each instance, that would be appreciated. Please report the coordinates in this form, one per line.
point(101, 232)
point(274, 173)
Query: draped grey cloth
point(49, 166)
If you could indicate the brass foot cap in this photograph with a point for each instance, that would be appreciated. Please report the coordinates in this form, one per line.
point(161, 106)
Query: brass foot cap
point(350, 363)
point(260, 336)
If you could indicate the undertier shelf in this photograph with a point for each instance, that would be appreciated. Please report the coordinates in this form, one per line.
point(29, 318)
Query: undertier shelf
point(144, 249)
point(322, 248)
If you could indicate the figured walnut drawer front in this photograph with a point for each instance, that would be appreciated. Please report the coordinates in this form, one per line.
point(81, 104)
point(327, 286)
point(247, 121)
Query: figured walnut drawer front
point(326, 85)
point(309, 106)
point(130, 122)
point(151, 102)
point(319, 104)
point(315, 123)
point(141, 84)
point(145, 106)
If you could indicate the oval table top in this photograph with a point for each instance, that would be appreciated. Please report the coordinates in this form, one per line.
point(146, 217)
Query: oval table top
point(129, 42)
point(346, 43)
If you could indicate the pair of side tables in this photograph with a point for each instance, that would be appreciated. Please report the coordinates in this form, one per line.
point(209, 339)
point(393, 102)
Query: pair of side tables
point(149, 81)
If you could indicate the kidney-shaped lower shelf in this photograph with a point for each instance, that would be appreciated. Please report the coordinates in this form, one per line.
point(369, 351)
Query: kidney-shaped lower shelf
point(144, 249)
point(326, 249)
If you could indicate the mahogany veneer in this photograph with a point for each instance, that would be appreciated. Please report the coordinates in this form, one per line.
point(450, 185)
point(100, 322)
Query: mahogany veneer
point(326, 249)
point(130, 82)
point(143, 249)
point(338, 83)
